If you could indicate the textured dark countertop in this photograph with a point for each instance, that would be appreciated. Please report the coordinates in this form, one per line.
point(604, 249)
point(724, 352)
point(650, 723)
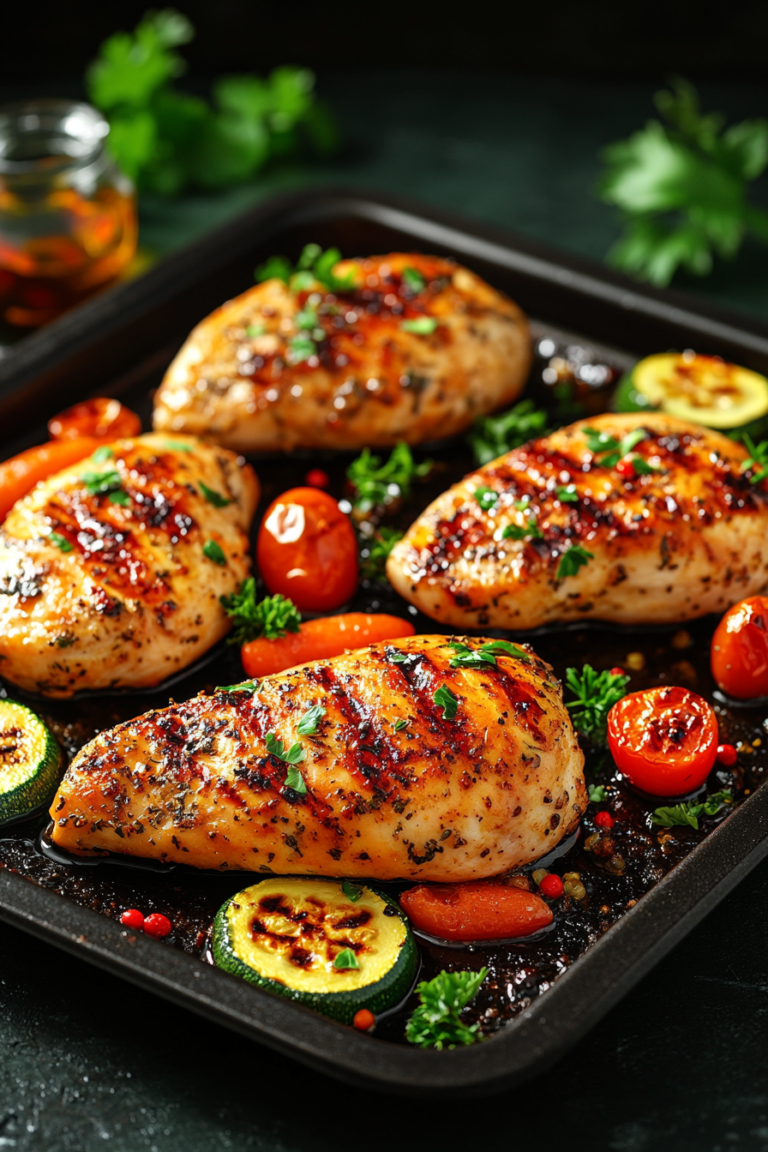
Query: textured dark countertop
point(88, 1062)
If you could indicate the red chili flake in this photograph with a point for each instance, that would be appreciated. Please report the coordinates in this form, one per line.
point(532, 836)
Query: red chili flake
point(157, 925)
point(604, 820)
point(364, 1020)
point(316, 478)
point(617, 671)
point(727, 755)
point(626, 468)
point(551, 886)
point(132, 918)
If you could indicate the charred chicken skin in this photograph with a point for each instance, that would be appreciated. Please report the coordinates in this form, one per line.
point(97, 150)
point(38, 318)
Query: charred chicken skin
point(111, 571)
point(354, 766)
point(666, 520)
point(413, 350)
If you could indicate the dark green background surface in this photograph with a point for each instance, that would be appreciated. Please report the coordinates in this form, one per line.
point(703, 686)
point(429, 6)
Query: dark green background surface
point(87, 1062)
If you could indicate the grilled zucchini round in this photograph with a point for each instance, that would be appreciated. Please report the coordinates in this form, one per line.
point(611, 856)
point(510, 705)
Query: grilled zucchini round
point(30, 761)
point(333, 947)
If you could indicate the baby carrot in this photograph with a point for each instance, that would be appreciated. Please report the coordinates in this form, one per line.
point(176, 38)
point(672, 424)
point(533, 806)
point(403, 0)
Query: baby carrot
point(319, 639)
point(21, 473)
point(475, 911)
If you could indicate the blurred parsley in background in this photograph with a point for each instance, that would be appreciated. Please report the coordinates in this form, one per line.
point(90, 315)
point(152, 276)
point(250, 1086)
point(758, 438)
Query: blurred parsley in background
point(682, 188)
point(167, 140)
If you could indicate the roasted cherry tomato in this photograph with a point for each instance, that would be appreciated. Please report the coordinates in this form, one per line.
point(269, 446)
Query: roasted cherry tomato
point(106, 419)
point(740, 649)
point(477, 910)
point(307, 550)
point(664, 740)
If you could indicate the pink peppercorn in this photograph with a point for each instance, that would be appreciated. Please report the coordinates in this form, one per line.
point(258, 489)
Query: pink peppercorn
point(551, 886)
point(157, 925)
point(132, 918)
point(604, 820)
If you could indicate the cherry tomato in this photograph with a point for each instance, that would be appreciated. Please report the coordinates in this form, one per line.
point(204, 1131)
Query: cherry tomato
point(106, 419)
point(664, 740)
point(727, 755)
point(307, 550)
point(739, 653)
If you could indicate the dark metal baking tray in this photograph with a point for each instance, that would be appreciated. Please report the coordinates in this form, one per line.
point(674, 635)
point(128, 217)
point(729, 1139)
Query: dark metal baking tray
point(120, 343)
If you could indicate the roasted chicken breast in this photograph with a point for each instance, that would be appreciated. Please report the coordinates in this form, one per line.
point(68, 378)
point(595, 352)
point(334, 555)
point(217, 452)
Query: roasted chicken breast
point(666, 522)
point(111, 571)
point(414, 351)
point(384, 762)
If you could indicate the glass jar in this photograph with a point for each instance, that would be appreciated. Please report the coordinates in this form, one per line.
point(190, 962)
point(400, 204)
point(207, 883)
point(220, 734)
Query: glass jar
point(67, 213)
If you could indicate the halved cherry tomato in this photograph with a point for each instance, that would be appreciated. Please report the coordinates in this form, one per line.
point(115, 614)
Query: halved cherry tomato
point(21, 473)
point(101, 417)
point(477, 910)
point(664, 740)
point(307, 550)
point(739, 654)
point(319, 639)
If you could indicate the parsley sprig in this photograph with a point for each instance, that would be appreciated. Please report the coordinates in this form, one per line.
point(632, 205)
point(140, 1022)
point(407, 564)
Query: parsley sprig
point(378, 484)
point(596, 693)
point(609, 450)
point(758, 459)
point(689, 813)
point(466, 657)
point(573, 560)
point(492, 436)
point(275, 747)
point(313, 266)
point(271, 618)
point(681, 187)
point(437, 1022)
point(529, 531)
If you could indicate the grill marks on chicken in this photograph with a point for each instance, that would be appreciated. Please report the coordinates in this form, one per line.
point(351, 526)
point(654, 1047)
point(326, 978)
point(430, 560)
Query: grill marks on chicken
point(107, 588)
point(393, 788)
point(687, 538)
point(281, 369)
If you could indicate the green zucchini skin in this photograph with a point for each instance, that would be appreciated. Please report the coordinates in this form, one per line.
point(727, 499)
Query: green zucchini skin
point(26, 797)
point(626, 398)
point(385, 993)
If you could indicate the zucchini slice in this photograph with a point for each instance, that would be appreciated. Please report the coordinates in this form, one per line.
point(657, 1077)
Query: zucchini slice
point(30, 761)
point(703, 389)
point(332, 950)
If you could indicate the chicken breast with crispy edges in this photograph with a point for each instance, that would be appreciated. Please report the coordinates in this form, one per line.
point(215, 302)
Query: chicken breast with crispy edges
point(353, 766)
point(667, 524)
point(414, 351)
point(111, 571)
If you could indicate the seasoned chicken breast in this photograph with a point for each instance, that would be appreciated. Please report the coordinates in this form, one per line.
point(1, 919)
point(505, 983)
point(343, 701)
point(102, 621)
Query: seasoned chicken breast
point(384, 762)
point(665, 522)
point(414, 351)
point(111, 571)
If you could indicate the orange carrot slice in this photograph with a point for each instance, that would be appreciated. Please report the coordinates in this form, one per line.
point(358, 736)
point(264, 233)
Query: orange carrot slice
point(319, 639)
point(475, 911)
point(19, 475)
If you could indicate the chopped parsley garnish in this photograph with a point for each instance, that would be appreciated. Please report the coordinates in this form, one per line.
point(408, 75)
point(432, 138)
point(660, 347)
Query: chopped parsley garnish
point(602, 444)
point(253, 331)
point(102, 454)
point(420, 326)
point(642, 466)
point(352, 891)
point(485, 497)
point(520, 532)
point(522, 504)
point(571, 561)
point(214, 552)
point(396, 657)
point(568, 494)
point(689, 813)
point(294, 778)
point(437, 1022)
point(271, 618)
point(178, 446)
point(758, 459)
point(275, 747)
point(213, 497)
point(400, 724)
point(275, 268)
point(313, 265)
point(413, 280)
point(307, 726)
point(479, 657)
point(97, 483)
point(596, 693)
point(346, 959)
point(492, 436)
point(119, 497)
point(376, 483)
point(597, 793)
point(59, 542)
point(375, 553)
point(251, 686)
point(300, 349)
point(306, 319)
point(446, 700)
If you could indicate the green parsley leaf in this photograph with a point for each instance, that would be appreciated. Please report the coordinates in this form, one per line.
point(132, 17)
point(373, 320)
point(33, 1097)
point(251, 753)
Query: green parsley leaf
point(306, 319)
point(60, 542)
point(178, 446)
point(294, 778)
point(479, 657)
point(98, 483)
point(213, 497)
point(642, 466)
point(596, 693)
point(413, 280)
point(596, 792)
point(346, 959)
point(437, 1022)
point(571, 561)
point(377, 484)
point(275, 268)
point(271, 618)
point(485, 497)
point(307, 726)
point(492, 436)
point(275, 747)
point(521, 505)
point(119, 497)
point(375, 553)
point(518, 532)
point(758, 459)
point(420, 326)
point(102, 454)
point(300, 349)
point(253, 331)
point(400, 724)
point(396, 657)
point(568, 494)
point(214, 552)
point(689, 813)
point(251, 686)
point(352, 891)
point(446, 700)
